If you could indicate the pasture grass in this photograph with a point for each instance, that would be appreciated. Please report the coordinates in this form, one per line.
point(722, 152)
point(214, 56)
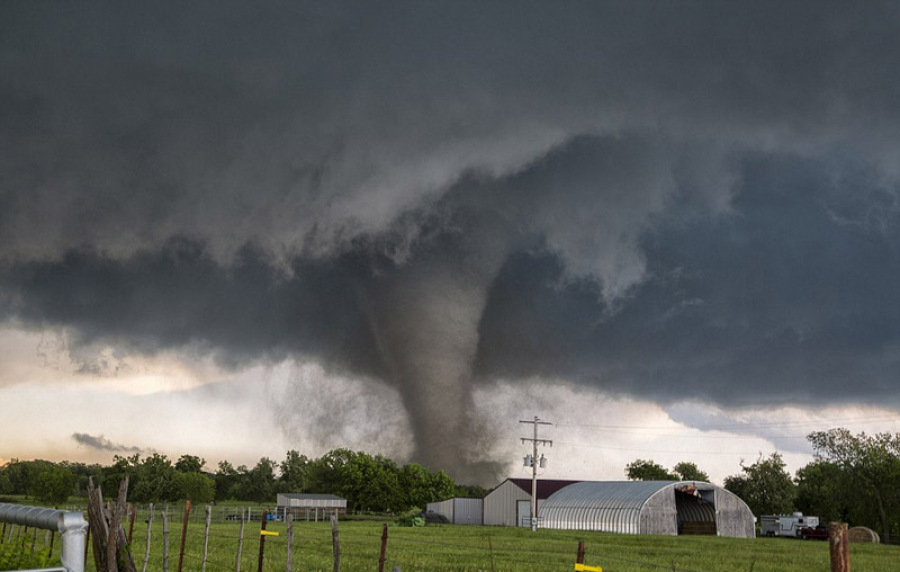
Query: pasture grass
point(495, 549)
point(474, 548)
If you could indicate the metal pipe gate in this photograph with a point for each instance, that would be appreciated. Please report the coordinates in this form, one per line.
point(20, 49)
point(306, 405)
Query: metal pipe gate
point(71, 526)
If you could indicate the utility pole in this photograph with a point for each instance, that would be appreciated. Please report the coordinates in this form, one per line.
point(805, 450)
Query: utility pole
point(533, 461)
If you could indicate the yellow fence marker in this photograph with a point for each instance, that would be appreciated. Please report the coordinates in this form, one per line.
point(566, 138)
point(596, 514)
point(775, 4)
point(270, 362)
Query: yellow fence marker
point(583, 568)
point(268, 533)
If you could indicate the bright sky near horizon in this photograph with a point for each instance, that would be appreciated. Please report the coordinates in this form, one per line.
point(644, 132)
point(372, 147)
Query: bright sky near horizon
point(672, 230)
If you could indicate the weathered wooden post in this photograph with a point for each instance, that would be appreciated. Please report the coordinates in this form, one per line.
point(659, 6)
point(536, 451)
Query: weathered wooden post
point(237, 562)
point(165, 519)
point(384, 539)
point(839, 545)
point(184, 527)
point(133, 512)
point(147, 548)
point(289, 517)
point(206, 537)
point(335, 543)
point(579, 557)
point(262, 540)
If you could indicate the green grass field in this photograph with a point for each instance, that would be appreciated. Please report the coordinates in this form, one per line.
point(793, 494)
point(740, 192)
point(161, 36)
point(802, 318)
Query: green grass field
point(495, 549)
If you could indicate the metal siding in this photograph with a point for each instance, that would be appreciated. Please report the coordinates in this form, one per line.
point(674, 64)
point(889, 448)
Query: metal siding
point(733, 516)
point(443, 508)
point(468, 511)
point(500, 504)
point(606, 506)
point(659, 514)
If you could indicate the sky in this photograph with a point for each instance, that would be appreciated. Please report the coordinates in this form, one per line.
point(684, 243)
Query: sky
point(670, 229)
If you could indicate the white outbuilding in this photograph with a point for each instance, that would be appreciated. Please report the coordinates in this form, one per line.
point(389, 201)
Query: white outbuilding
point(458, 510)
point(310, 505)
point(648, 507)
point(509, 504)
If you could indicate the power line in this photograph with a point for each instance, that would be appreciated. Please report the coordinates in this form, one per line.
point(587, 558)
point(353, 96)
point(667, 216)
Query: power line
point(657, 451)
point(774, 424)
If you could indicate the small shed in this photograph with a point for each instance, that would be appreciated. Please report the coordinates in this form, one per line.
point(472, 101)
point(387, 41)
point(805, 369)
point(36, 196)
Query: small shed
point(648, 507)
point(510, 503)
point(309, 504)
point(459, 510)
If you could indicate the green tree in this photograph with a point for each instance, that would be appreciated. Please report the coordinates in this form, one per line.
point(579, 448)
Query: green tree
point(873, 464)
point(326, 474)
point(416, 484)
point(189, 464)
point(196, 486)
point(294, 473)
point(227, 481)
point(156, 480)
point(765, 486)
point(825, 490)
point(258, 484)
point(372, 483)
point(688, 471)
point(470, 491)
point(54, 485)
point(115, 473)
point(645, 470)
point(20, 476)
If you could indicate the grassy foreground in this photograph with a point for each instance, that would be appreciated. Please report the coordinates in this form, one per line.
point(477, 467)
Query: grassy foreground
point(495, 549)
point(448, 547)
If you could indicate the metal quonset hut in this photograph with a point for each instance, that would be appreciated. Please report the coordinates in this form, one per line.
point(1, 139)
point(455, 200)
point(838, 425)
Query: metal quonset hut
point(648, 507)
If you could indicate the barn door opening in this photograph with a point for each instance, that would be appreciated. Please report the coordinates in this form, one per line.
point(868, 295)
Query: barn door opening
point(696, 513)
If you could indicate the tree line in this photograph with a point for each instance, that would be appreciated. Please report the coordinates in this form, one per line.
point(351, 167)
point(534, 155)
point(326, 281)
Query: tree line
point(853, 478)
point(375, 483)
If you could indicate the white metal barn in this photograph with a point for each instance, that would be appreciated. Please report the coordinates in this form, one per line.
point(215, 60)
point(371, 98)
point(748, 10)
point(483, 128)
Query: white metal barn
point(510, 503)
point(310, 504)
point(459, 510)
point(648, 507)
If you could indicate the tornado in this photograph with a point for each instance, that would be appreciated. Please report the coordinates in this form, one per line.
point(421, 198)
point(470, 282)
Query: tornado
point(425, 321)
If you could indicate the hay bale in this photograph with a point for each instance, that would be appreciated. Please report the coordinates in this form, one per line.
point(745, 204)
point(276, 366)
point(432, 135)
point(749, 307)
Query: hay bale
point(863, 534)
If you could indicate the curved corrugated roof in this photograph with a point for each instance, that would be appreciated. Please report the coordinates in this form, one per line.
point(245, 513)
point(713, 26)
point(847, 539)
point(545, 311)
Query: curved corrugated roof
point(646, 507)
point(613, 506)
point(621, 494)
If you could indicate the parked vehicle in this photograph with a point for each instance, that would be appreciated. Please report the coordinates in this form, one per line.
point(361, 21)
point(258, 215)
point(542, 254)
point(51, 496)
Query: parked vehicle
point(813, 532)
point(795, 525)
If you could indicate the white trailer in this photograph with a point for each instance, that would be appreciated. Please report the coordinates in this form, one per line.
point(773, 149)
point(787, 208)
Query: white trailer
point(786, 524)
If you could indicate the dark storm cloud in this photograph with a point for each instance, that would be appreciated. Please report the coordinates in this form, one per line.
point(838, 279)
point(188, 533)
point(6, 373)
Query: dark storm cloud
point(664, 199)
point(101, 443)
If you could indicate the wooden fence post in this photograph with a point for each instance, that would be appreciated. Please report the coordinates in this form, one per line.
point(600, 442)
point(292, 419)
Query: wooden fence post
point(131, 522)
point(335, 544)
point(579, 557)
point(184, 526)
point(237, 563)
point(290, 540)
point(165, 519)
point(147, 548)
point(262, 539)
point(384, 539)
point(206, 537)
point(838, 543)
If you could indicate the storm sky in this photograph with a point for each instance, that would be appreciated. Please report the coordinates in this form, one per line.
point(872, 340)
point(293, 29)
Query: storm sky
point(670, 228)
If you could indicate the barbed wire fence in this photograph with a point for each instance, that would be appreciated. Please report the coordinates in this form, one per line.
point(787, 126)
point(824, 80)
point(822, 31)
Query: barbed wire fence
point(181, 538)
